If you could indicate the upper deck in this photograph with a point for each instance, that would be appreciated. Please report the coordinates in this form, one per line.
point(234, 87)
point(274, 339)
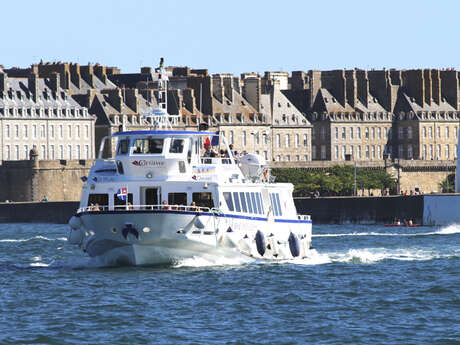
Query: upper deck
point(160, 155)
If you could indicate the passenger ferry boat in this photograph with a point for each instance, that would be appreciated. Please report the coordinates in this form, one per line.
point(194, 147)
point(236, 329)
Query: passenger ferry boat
point(162, 199)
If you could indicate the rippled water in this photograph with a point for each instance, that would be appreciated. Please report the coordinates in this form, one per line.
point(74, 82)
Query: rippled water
point(364, 285)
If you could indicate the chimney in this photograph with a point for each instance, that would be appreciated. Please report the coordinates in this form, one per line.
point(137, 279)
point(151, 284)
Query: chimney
point(414, 83)
point(252, 91)
point(33, 86)
point(315, 84)
point(362, 87)
point(228, 88)
point(87, 74)
point(115, 98)
point(100, 72)
point(146, 70)
point(189, 101)
point(334, 82)
point(450, 87)
point(75, 76)
point(132, 99)
point(55, 83)
point(174, 102)
point(436, 86)
point(218, 87)
point(3, 82)
point(352, 87)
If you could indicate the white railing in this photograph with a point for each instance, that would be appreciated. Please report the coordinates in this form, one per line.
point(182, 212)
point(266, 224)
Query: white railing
point(128, 207)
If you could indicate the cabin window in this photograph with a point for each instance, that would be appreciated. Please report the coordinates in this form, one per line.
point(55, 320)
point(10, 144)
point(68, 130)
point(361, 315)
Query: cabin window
point(177, 199)
point(248, 198)
point(118, 201)
point(228, 200)
point(276, 205)
point(253, 201)
point(260, 207)
point(123, 147)
point(148, 146)
point(98, 199)
point(243, 202)
point(177, 146)
point(237, 202)
point(203, 199)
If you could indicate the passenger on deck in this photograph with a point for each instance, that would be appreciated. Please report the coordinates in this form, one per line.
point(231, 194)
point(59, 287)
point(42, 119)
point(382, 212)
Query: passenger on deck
point(208, 151)
point(165, 205)
point(193, 206)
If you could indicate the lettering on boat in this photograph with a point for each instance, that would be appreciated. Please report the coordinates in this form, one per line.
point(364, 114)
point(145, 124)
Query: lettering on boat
point(148, 163)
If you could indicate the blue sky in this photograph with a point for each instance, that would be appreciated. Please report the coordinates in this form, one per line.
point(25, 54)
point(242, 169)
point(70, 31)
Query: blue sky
point(233, 36)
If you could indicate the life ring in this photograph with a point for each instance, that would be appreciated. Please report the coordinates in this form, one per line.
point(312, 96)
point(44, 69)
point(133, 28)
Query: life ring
point(260, 242)
point(294, 245)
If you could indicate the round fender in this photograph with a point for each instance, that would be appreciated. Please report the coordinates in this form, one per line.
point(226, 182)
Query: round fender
point(294, 245)
point(198, 223)
point(75, 236)
point(260, 242)
point(75, 222)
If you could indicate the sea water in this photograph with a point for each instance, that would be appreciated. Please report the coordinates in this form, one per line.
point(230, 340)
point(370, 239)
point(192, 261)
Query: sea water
point(361, 285)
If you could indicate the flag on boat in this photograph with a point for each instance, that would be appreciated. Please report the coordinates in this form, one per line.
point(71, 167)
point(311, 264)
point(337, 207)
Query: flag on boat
point(207, 142)
point(122, 193)
point(215, 139)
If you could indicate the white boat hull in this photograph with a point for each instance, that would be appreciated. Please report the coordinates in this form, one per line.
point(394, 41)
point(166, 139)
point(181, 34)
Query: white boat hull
point(168, 237)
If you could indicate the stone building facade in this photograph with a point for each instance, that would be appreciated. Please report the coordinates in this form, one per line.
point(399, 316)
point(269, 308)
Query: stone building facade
point(37, 113)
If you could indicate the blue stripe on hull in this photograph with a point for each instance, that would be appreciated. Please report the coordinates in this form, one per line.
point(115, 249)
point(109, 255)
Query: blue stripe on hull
point(264, 219)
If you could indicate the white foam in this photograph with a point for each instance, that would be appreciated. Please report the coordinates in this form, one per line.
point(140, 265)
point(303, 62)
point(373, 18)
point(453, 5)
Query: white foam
point(38, 237)
point(450, 229)
point(209, 262)
point(373, 255)
point(313, 258)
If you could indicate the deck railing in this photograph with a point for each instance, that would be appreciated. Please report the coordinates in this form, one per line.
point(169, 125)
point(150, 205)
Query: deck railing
point(128, 207)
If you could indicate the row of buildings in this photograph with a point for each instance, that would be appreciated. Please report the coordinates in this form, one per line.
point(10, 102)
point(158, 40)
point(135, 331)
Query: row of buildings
point(64, 110)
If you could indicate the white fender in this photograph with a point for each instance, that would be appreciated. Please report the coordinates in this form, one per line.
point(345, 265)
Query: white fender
point(75, 222)
point(198, 223)
point(75, 236)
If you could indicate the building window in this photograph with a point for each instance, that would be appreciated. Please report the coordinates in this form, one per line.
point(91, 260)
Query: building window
point(358, 132)
point(296, 140)
point(51, 156)
point(78, 152)
point(447, 152)
point(373, 132)
point(344, 148)
point(278, 158)
point(323, 133)
point(366, 135)
point(430, 132)
point(278, 144)
point(385, 133)
point(287, 140)
point(61, 132)
point(305, 140)
point(390, 133)
point(401, 151)
point(86, 152)
point(34, 131)
point(16, 152)
point(379, 133)
point(438, 132)
point(438, 151)
point(351, 132)
point(424, 152)
point(447, 132)
point(431, 151)
point(43, 151)
point(351, 152)
point(337, 132)
point(256, 137)
point(424, 132)
point(265, 136)
point(26, 152)
point(409, 151)
point(16, 131)
point(344, 132)
point(51, 131)
point(288, 158)
point(77, 134)
point(367, 151)
point(86, 131)
point(297, 158)
point(323, 152)
point(313, 151)
point(336, 152)
point(266, 155)
point(379, 152)
point(7, 131)
point(400, 133)
point(358, 152)
point(231, 137)
point(61, 152)
point(8, 153)
point(69, 131)
point(42, 131)
point(409, 132)
point(244, 138)
point(69, 151)
point(305, 157)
